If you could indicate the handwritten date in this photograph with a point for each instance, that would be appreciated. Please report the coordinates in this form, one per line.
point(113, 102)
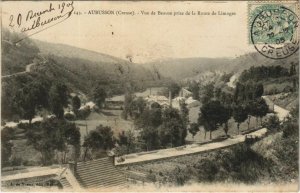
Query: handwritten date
point(54, 13)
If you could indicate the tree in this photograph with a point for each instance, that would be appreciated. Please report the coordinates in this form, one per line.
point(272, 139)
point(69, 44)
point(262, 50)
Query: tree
point(194, 129)
point(273, 123)
point(257, 108)
point(173, 130)
point(99, 95)
point(72, 136)
point(150, 137)
point(92, 141)
point(150, 117)
point(207, 93)
point(76, 103)
point(6, 145)
point(184, 113)
point(219, 94)
point(247, 91)
point(58, 99)
point(261, 108)
point(213, 114)
point(30, 98)
point(129, 98)
point(204, 123)
point(123, 139)
point(54, 135)
point(174, 88)
point(107, 136)
point(240, 114)
point(148, 122)
point(249, 108)
point(128, 140)
point(195, 89)
point(99, 139)
point(138, 106)
point(225, 114)
point(259, 90)
point(293, 69)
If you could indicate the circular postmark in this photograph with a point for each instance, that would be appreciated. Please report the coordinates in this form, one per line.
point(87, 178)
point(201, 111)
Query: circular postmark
point(274, 32)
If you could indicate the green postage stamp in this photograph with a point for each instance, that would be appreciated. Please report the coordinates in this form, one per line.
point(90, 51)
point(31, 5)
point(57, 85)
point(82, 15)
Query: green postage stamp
point(274, 28)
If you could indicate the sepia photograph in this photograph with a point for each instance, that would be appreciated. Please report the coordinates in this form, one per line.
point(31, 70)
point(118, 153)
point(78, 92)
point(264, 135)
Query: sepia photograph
point(150, 96)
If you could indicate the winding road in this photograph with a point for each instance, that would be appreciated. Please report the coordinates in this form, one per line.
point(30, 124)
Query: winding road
point(27, 70)
point(280, 112)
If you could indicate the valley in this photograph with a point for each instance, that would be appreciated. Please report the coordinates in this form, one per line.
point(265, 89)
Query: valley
point(61, 104)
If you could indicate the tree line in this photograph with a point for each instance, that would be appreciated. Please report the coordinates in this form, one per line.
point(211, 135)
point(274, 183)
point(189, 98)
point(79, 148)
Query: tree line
point(219, 106)
point(263, 72)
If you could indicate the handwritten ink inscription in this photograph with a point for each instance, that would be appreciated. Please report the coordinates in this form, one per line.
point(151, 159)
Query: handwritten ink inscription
point(38, 20)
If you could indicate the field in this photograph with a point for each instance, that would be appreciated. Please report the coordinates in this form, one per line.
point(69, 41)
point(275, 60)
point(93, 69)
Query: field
point(111, 118)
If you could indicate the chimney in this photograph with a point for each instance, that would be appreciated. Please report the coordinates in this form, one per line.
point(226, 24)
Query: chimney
point(170, 98)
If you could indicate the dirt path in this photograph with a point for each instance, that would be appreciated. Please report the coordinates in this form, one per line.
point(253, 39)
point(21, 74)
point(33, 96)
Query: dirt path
point(281, 112)
point(27, 69)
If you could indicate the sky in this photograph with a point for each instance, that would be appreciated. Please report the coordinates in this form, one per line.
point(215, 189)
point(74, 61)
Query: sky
point(147, 38)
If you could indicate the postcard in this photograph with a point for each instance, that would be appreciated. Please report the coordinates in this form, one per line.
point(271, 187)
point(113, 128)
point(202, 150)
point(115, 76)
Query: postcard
point(150, 96)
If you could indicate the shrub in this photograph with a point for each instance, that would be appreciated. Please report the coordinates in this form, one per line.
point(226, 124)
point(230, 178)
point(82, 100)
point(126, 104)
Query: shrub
point(120, 150)
point(84, 113)
point(3, 123)
point(290, 129)
point(180, 175)
point(69, 116)
point(16, 161)
point(207, 170)
point(272, 123)
point(151, 176)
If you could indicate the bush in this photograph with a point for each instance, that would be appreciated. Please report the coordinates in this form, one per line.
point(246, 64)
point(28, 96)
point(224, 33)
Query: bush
point(290, 129)
point(272, 123)
point(84, 113)
point(70, 116)
point(16, 161)
point(30, 163)
point(180, 175)
point(240, 163)
point(120, 150)
point(151, 176)
point(207, 170)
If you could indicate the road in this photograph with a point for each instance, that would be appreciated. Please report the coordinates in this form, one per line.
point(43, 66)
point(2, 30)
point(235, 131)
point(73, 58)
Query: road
point(27, 69)
point(186, 150)
point(194, 148)
point(280, 112)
